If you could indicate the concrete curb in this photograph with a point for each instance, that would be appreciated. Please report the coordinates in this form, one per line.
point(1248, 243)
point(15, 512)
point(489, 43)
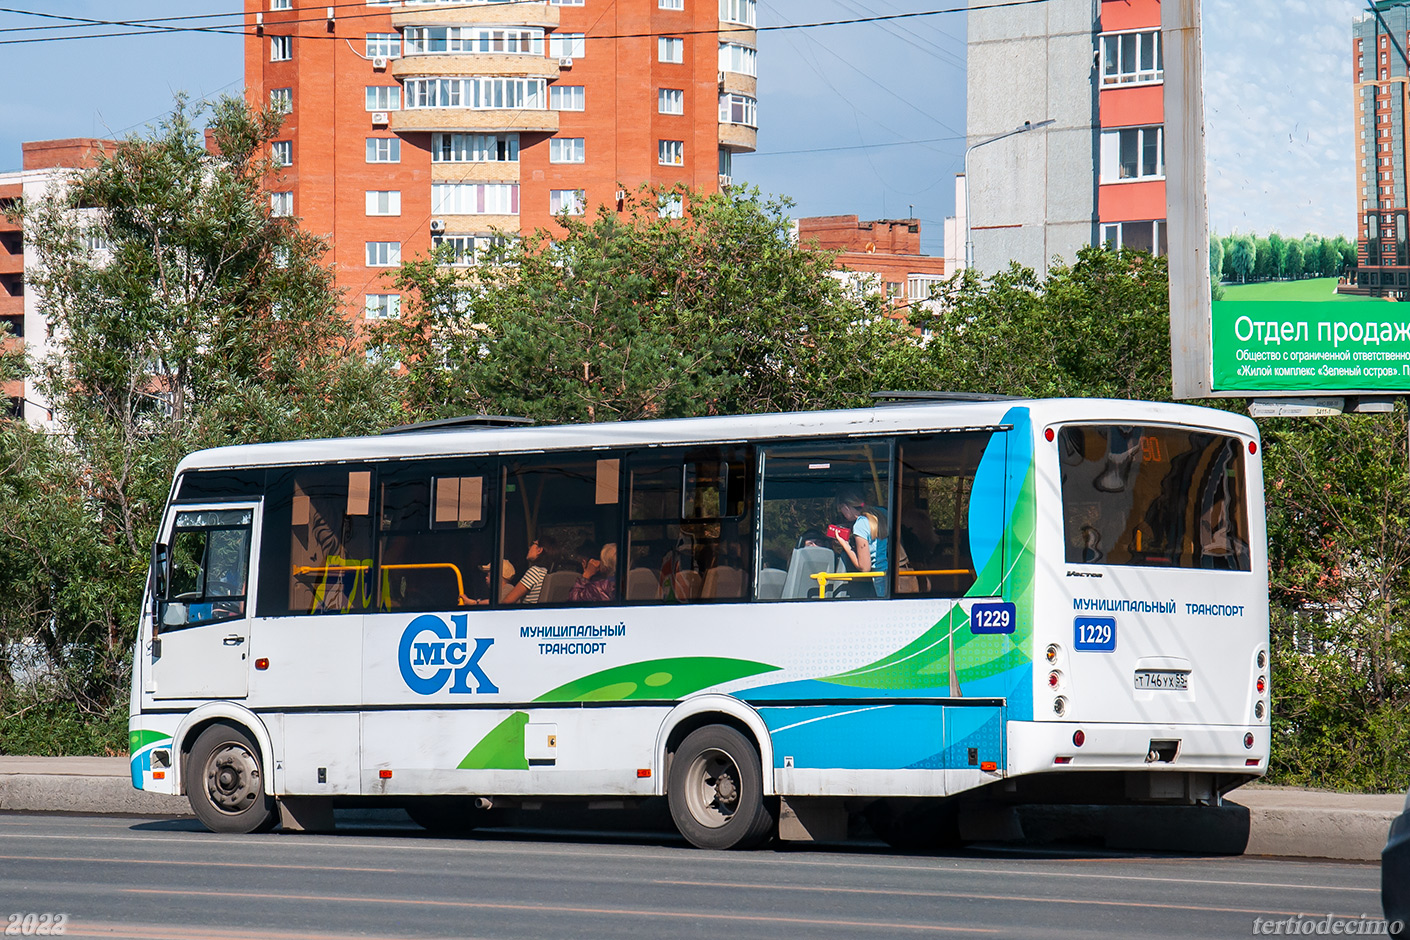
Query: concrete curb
point(1256, 820)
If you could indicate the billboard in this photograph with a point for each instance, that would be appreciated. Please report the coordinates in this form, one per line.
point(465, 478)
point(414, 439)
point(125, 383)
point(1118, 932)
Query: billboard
point(1286, 196)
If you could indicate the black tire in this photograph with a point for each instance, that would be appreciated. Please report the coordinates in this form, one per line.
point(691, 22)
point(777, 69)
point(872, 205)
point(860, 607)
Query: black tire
point(225, 782)
point(715, 790)
point(446, 815)
point(916, 824)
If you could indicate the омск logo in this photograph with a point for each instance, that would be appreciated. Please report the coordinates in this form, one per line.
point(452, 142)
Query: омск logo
point(430, 653)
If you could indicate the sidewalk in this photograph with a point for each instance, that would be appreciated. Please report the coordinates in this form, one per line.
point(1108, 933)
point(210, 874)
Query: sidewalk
point(1282, 821)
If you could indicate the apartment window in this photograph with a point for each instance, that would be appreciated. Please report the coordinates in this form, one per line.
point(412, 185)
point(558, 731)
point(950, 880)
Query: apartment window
point(475, 198)
point(383, 254)
point(476, 93)
point(281, 4)
point(670, 101)
point(570, 201)
point(384, 202)
point(567, 45)
point(737, 58)
point(726, 162)
point(382, 306)
point(565, 3)
point(281, 48)
point(384, 97)
point(566, 150)
point(670, 4)
point(513, 40)
point(281, 99)
point(281, 204)
point(739, 109)
point(670, 152)
point(567, 98)
point(1133, 153)
point(474, 148)
point(466, 249)
point(1132, 57)
point(737, 11)
point(281, 152)
point(1141, 236)
point(384, 150)
point(671, 207)
point(670, 50)
point(383, 45)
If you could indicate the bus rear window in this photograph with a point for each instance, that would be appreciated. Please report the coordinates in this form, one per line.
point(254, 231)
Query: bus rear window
point(1154, 497)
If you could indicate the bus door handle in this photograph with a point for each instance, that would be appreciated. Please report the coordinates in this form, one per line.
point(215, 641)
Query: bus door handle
point(233, 640)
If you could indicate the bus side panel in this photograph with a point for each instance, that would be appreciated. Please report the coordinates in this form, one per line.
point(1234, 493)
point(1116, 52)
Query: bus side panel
point(524, 751)
point(880, 749)
point(148, 734)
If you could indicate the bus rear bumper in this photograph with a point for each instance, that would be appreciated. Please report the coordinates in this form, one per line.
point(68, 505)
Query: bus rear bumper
point(1057, 747)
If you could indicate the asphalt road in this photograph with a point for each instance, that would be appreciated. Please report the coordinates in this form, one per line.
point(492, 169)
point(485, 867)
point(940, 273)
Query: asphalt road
point(171, 880)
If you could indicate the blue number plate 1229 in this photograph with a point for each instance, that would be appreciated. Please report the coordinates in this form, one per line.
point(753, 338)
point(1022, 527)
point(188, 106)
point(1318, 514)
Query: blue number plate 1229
point(1095, 634)
point(992, 618)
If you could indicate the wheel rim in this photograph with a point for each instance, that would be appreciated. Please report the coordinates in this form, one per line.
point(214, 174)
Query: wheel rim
point(233, 779)
point(712, 788)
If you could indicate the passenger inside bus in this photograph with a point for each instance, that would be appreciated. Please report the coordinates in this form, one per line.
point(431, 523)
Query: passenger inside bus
point(599, 579)
point(542, 555)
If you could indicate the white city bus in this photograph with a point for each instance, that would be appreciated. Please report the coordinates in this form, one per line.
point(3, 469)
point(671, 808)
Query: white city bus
point(1064, 597)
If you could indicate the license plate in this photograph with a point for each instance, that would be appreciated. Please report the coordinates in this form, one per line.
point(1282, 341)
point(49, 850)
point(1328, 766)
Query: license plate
point(1162, 679)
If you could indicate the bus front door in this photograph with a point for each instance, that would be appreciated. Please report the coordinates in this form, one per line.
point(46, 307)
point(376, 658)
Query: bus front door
point(200, 644)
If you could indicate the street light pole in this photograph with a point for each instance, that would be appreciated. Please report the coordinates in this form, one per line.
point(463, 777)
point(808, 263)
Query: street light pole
point(968, 228)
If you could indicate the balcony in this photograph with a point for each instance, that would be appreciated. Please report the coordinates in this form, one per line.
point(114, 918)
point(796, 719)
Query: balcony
point(738, 32)
point(740, 84)
point(476, 14)
point(441, 64)
point(471, 119)
point(740, 138)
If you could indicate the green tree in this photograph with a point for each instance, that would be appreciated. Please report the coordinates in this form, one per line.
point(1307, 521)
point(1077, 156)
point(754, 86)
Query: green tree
point(1097, 327)
point(1243, 256)
point(1329, 258)
point(1216, 259)
point(203, 321)
point(1264, 265)
point(638, 315)
point(1292, 264)
point(1278, 251)
point(1347, 251)
point(1312, 255)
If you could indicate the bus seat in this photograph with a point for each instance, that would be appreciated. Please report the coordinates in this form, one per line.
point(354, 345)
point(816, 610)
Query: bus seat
point(642, 585)
point(806, 562)
point(771, 583)
point(557, 586)
point(688, 584)
point(723, 581)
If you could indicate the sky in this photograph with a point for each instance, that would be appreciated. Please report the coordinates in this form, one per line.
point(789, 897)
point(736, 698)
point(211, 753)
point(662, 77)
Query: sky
point(1278, 116)
point(866, 119)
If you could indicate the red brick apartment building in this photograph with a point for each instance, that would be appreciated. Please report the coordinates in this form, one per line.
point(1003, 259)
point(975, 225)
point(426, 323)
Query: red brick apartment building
point(43, 164)
point(1131, 112)
point(1382, 100)
point(425, 121)
point(889, 249)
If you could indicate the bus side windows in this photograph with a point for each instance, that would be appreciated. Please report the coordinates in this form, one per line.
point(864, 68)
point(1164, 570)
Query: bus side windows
point(318, 544)
point(689, 525)
point(434, 538)
point(935, 480)
point(559, 515)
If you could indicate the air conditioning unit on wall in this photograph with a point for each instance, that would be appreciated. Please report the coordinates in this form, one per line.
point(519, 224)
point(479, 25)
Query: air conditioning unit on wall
point(381, 117)
point(438, 226)
point(566, 62)
point(379, 62)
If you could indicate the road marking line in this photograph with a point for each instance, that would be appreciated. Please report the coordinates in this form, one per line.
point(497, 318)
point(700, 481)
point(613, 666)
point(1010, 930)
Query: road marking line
point(564, 909)
point(150, 931)
point(201, 862)
point(1000, 897)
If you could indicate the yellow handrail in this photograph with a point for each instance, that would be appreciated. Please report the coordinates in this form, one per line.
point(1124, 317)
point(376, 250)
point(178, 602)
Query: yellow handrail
point(330, 569)
point(822, 577)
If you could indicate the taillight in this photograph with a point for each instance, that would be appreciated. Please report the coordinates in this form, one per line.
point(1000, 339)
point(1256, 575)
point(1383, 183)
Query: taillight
point(1262, 684)
point(1054, 679)
point(1079, 738)
point(1248, 740)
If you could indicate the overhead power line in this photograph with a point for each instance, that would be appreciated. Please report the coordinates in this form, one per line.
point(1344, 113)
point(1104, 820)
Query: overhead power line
point(148, 27)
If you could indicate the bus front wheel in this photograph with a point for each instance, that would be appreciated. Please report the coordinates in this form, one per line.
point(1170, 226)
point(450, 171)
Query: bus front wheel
point(225, 782)
point(716, 790)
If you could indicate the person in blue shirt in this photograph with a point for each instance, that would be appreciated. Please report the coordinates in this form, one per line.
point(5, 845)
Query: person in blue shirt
point(866, 548)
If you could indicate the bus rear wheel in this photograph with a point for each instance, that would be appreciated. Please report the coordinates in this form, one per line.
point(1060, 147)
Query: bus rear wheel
point(225, 782)
point(715, 790)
